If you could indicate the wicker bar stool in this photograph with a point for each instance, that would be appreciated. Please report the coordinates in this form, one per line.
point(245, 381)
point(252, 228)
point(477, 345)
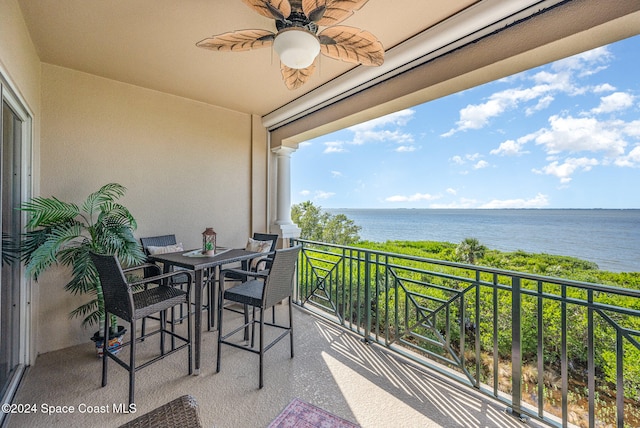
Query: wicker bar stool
point(120, 300)
point(261, 294)
point(179, 413)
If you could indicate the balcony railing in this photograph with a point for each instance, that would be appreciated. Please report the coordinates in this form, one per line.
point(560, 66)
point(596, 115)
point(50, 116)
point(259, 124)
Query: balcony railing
point(561, 351)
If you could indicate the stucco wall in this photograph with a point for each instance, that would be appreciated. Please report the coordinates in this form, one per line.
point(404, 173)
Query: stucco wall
point(186, 166)
point(18, 58)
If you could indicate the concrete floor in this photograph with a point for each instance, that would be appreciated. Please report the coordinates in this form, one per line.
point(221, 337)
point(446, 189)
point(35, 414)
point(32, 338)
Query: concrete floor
point(332, 369)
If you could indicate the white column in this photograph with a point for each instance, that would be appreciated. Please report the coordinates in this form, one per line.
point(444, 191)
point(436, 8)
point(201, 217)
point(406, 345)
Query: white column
point(283, 193)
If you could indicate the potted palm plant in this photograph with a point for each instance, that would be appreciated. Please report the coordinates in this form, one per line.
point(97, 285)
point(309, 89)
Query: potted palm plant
point(64, 233)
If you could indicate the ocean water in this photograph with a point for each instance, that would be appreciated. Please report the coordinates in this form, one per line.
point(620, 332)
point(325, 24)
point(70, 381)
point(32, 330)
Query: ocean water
point(610, 238)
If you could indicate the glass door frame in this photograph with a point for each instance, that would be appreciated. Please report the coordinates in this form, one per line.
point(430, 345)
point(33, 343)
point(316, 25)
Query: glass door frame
point(25, 355)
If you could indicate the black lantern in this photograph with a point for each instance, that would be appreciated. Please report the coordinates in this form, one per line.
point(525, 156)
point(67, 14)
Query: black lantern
point(209, 241)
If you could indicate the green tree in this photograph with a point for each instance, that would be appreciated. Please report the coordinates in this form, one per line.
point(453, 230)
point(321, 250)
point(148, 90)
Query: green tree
point(318, 225)
point(309, 219)
point(339, 229)
point(470, 250)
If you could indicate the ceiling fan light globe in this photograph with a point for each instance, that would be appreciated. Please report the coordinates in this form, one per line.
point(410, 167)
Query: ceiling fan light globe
point(297, 48)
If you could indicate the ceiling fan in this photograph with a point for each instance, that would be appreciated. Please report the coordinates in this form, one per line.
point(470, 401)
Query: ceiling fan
point(297, 41)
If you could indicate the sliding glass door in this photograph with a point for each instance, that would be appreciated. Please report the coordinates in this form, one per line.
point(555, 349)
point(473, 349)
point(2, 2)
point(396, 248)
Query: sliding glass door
point(14, 171)
point(10, 279)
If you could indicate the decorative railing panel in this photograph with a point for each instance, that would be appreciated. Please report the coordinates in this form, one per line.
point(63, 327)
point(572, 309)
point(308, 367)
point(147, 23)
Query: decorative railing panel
point(561, 351)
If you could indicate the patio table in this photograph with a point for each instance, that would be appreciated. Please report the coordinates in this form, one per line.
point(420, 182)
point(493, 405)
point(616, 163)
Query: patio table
point(199, 263)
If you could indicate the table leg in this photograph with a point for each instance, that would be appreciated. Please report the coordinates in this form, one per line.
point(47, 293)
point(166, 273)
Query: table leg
point(197, 336)
point(214, 290)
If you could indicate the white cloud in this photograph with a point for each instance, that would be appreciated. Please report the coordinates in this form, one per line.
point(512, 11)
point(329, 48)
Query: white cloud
point(543, 103)
point(632, 159)
point(481, 164)
point(569, 134)
point(305, 192)
point(478, 116)
point(539, 201)
point(460, 160)
point(452, 191)
point(614, 102)
point(336, 174)
point(334, 147)
point(321, 194)
point(305, 144)
point(417, 197)
point(461, 203)
point(605, 87)
point(376, 130)
point(508, 148)
point(560, 81)
point(635, 154)
point(565, 170)
point(632, 129)
point(405, 149)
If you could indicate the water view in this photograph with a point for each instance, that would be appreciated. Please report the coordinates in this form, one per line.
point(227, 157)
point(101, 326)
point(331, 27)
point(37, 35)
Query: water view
point(610, 238)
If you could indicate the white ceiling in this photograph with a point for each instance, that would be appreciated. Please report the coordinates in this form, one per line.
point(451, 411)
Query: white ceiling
point(151, 43)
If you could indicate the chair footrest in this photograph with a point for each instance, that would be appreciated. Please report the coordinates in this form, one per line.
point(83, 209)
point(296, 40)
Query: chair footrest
point(154, 359)
point(250, 349)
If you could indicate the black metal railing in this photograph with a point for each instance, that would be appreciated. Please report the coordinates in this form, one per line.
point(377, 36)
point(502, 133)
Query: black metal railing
point(561, 351)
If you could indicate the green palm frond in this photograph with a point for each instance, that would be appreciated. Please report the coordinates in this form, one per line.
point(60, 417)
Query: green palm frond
point(114, 213)
point(84, 275)
point(91, 311)
point(119, 240)
point(31, 240)
point(48, 211)
point(47, 252)
point(107, 193)
point(131, 253)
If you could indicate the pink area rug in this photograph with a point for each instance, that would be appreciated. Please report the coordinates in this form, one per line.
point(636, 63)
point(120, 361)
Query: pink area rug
point(300, 414)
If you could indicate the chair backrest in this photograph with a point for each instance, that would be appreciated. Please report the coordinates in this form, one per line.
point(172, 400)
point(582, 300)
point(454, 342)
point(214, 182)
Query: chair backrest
point(118, 299)
point(273, 237)
point(157, 241)
point(182, 412)
point(279, 284)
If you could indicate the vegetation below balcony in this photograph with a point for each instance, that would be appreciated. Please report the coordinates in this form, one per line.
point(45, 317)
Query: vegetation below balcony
point(523, 324)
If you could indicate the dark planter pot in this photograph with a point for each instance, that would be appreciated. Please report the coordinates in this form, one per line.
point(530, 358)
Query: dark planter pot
point(115, 341)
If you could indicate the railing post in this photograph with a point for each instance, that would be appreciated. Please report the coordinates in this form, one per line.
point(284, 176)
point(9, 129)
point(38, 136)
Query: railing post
point(367, 295)
point(591, 365)
point(516, 349)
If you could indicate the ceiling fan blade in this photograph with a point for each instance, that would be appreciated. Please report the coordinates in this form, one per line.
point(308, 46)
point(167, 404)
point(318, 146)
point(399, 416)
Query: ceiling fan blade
point(351, 45)
point(278, 9)
point(241, 40)
point(296, 77)
point(330, 12)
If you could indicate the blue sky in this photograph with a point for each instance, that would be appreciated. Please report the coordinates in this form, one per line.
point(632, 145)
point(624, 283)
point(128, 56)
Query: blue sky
point(564, 135)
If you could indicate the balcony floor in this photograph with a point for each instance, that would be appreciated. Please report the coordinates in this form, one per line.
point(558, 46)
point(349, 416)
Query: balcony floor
point(332, 369)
